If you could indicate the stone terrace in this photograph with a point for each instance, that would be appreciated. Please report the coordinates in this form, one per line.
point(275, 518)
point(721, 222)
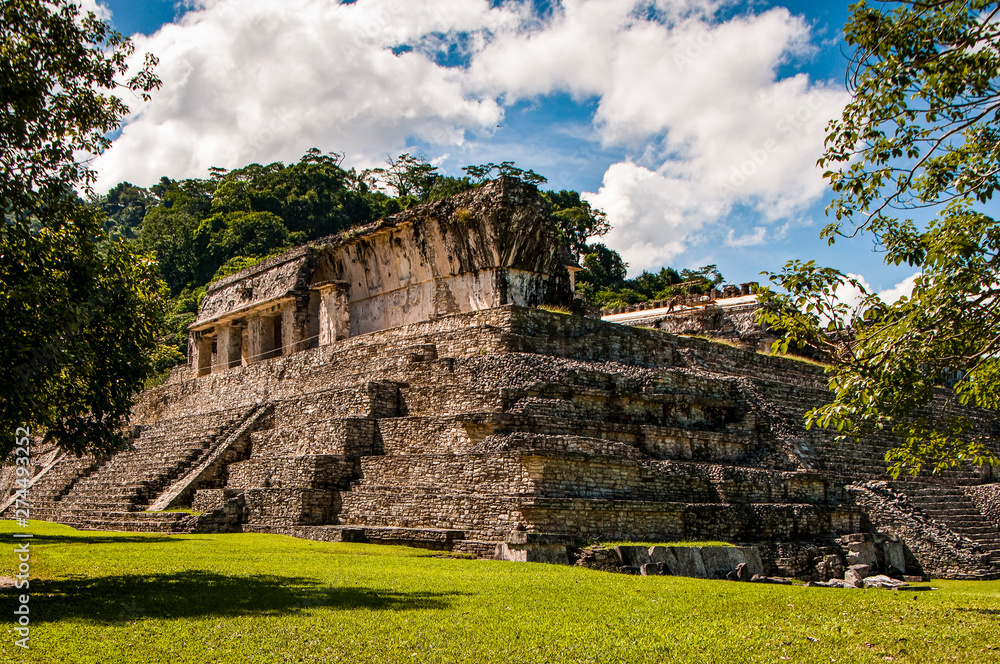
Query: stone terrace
point(455, 432)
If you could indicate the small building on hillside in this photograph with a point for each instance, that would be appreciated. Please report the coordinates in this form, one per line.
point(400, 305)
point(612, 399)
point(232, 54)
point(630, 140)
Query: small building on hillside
point(486, 248)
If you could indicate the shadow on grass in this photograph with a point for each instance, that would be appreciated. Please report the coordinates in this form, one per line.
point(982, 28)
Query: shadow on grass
point(103, 539)
point(985, 612)
point(192, 594)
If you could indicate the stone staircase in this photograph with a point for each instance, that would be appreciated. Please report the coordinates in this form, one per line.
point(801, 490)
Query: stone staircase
point(47, 492)
point(298, 466)
point(855, 459)
point(865, 459)
point(950, 505)
point(111, 493)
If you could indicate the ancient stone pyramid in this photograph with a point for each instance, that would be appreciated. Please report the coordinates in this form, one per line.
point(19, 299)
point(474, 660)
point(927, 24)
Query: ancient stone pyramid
point(496, 424)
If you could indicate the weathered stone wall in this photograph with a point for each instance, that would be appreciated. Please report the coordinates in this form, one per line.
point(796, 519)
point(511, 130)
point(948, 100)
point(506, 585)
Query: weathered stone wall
point(486, 516)
point(269, 280)
point(492, 246)
point(351, 436)
point(455, 434)
point(567, 444)
point(456, 431)
point(302, 472)
point(445, 475)
point(485, 248)
point(289, 506)
point(987, 501)
point(207, 500)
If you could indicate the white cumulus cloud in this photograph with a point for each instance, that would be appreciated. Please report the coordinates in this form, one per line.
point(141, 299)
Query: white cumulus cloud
point(900, 290)
point(701, 103)
point(852, 295)
point(99, 10)
point(255, 80)
point(730, 129)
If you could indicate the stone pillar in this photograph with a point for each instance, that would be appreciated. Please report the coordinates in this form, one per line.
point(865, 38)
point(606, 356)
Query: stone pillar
point(193, 338)
point(201, 354)
point(261, 333)
point(228, 347)
point(573, 269)
point(334, 312)
point(295, 325)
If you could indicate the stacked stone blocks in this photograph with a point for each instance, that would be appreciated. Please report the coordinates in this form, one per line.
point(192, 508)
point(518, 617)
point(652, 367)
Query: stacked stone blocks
point(487, 423)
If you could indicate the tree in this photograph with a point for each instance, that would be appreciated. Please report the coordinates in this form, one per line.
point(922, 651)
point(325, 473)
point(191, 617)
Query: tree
point(414, 180)
point(577, 220)
point(125, 206)
point(407, 176)
point(604, 267)
point(77, 313)
point(315, 196)
point(913, 161)
point(223, 237)
point(603, 282)
point(702, 280)
point(487, 172)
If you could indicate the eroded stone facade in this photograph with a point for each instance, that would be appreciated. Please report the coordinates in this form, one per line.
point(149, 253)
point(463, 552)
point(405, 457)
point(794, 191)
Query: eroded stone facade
point(485, 248)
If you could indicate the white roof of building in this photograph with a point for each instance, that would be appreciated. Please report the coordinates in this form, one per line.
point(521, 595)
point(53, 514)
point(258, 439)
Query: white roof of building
point(661, 312)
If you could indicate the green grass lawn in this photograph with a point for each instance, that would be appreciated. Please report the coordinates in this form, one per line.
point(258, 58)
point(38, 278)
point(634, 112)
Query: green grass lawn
point(611, 545)
point(122, 597)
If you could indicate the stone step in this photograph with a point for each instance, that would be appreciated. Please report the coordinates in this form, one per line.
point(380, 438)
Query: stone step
point(953, 505)
point(938, 495)
point(125, 526)
point(957, 516)
point(317, 533)
point(978, 528)
point(43, 513)
point(172, 440)
point(478, 548)
point(982, 576)
point(343, 435)
point(134, 475)
point(443, 537)
point(113, 512)
point(200, 420)
point(989, 545)
point(109, 506)
point(985, 531)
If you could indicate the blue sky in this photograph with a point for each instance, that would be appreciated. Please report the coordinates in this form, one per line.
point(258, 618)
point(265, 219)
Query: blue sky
point(695, 124)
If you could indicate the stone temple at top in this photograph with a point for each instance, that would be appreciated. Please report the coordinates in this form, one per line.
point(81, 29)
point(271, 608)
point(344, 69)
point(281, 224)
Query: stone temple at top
point(459, 255)
point(420, 381)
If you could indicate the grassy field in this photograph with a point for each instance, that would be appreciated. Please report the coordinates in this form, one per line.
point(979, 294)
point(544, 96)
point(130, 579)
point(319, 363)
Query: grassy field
point(119, 597)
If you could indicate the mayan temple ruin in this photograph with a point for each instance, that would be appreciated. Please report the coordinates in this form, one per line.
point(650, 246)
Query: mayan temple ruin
point(421, 381)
